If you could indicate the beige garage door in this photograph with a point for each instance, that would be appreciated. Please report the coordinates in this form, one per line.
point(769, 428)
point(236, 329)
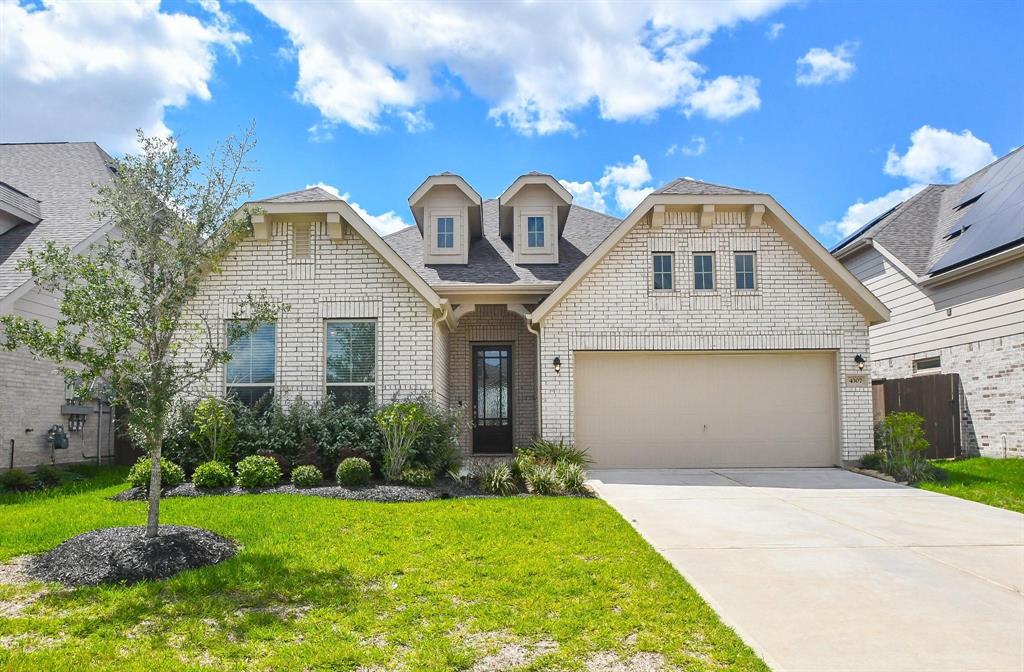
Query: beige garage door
point(698, 410)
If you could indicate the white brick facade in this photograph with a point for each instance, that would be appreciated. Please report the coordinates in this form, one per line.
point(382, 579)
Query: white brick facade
point(342, 279)
point(615, 308)
point(992, 398)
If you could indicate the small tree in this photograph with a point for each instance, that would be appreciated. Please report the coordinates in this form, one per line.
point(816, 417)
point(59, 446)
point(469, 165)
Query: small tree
point(125, 322)
point(214, 428)
point(904, 446)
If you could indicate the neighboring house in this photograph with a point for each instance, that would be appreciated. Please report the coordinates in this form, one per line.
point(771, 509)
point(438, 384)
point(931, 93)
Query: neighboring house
point(706, 329)
point(949, 264)
point(45, 194)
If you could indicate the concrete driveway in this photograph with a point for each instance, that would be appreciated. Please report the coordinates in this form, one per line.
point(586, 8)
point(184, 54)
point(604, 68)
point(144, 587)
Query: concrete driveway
point(822, 569)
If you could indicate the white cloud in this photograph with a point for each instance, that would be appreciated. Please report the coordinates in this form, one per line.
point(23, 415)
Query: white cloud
point(98, 71)
point(384, 223)
point(725, 97)
point(586, 195)
point(626, 184)
point(934, 155)
point(632, 60)
point(698, 145)
point(774, 31)
point(862, 212)
point(821, 66)
point(938, 155)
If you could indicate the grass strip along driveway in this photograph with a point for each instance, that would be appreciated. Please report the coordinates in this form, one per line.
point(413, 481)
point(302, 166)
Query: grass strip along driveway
point(983, 479)
point(524, 583)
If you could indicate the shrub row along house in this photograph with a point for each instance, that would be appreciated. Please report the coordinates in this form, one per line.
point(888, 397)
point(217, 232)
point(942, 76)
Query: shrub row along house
point(949, 263)
point(706, 329)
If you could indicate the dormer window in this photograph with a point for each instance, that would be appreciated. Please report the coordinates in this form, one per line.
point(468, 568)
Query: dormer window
point(445, 233)
point(535, 231)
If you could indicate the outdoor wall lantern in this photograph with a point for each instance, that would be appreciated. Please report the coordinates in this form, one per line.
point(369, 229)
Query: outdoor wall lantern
point(558, 364)
point(860, 361)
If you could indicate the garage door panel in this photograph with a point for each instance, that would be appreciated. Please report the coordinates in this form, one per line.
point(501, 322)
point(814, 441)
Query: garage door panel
point(648, 409)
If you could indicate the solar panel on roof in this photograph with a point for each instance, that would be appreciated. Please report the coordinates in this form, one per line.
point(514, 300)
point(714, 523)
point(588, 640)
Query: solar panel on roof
point(995, 220)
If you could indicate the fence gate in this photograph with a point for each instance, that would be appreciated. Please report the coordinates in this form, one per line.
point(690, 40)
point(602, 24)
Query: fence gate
point(936, 398)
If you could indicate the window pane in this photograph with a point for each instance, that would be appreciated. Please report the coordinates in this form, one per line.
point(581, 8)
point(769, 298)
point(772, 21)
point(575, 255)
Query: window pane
point(250, 395)
point(446, 232)
point(535, 232)
point(351, 395)
point(351, 352)
point(745, 271)
point(703, 271)
point(252, 357)
point(663, 271)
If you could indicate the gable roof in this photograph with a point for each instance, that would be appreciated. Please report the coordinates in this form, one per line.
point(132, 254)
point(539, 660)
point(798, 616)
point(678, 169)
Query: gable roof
point(55, 183)
point(305, 202)
point(491, 257)
point(944, 227)
point(788, 228)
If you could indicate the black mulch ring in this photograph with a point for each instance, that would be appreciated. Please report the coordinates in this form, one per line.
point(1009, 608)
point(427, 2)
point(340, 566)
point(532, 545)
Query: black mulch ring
point(368, 493)
point(124, 554)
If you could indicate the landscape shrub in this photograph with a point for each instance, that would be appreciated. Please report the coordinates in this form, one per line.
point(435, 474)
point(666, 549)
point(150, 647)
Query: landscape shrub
point(16, 480)
point(213, 428)
point(257, 471)
point(571, 477)
point(436, 448)
point(306, 476)
point(903, 448)
point(353, 471)
point(551, 453)
point(498, 479)
point(179, 446)
point(48, 476)
point(417, 476)
point(541, 479)
point(213, 474)
point(401, 424)
point(170, 473)
point(872, 460)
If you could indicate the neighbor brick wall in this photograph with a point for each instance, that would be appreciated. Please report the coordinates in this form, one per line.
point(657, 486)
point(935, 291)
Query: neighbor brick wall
point(992, 383)
point(346, 279)
point(615, 307)
point(493, 324)
point(31, 394)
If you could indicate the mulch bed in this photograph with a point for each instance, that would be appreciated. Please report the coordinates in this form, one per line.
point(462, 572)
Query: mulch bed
point(125, 554)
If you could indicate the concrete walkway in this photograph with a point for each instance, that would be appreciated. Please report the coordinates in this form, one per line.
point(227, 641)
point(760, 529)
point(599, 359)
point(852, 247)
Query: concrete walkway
point(822, 569)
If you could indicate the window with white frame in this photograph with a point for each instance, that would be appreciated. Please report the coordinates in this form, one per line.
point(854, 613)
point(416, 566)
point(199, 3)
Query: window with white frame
point(250, 371)
point(351, 361)
point(663, 270)
point(928, 365)
point(535, 231)
point(445, 233)
point(704, 270)
point(745, 270)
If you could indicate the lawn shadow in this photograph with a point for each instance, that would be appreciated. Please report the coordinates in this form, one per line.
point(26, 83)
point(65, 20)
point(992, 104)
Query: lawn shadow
point(91, 479)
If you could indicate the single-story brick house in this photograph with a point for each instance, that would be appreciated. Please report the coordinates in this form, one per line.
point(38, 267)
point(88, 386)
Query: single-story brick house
point(949, 264)
point(706, 329)
point(46, 192)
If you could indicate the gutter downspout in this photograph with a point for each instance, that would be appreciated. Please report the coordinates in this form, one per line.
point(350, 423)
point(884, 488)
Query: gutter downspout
point(536, 332)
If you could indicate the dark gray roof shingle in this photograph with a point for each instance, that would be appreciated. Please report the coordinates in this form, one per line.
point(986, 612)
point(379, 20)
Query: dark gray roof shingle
point(491, 257)
point(686, 186)
point(310, 195)
point(60, 177)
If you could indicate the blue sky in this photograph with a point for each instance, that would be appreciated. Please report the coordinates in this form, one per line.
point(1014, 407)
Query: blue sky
point(824, 105)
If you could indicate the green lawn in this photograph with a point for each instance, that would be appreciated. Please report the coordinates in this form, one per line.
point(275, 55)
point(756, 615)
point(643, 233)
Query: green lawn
point(333, 585)
point(983, 479)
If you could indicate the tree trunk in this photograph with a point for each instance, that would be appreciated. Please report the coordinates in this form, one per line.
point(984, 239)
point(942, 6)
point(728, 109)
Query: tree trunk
point(153, 520)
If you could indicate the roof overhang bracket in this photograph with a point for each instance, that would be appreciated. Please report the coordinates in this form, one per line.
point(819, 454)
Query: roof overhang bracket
point(658, 217)
point(707, 216)
point(335, 227)
point(261, 226)
point(755, 215)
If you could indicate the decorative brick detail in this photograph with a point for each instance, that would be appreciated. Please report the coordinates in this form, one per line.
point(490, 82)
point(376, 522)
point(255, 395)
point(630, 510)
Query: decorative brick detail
point(794, 307)
point(493, 324)
point(343, 279)
point(992, 391)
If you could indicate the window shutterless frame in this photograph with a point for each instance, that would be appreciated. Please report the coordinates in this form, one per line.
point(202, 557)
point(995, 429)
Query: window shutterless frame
point(251, 372)
point(445, 233)
point(703, 271)
point(535, 231)
point(663, 267)
point(350, 361)
point(746, 270)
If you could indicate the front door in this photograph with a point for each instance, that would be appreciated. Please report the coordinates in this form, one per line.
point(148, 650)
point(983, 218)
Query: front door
point(492, 400)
